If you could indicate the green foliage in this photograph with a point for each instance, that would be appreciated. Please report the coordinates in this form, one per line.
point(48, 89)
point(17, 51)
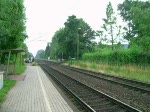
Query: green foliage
point(47, 51)
point(111, 31)
point(35, 64)
point(82, 64)
point(130, 71)
point(12, 27)
point(12, 24)
point(137, 16)
point(141, 20)
point(124, 9)
point(72, 40)
point(20, 65)
point(54, 46)
point(40, 54)
point(20, 68)
point(93, 66)
point(8, 84)
point(25, 48)
point(122, 56)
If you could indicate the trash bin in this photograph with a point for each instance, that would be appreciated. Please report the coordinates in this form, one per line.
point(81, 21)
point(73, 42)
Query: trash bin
point(1, 80)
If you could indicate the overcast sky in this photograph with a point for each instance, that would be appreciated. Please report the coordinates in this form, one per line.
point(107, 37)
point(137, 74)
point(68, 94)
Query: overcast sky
point(45, 17)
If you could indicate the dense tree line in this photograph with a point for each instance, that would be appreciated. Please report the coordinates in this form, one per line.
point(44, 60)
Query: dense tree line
point(12, 24)
point(71, 41)
point(75, 38)
point(137, 17)
point(41, 54)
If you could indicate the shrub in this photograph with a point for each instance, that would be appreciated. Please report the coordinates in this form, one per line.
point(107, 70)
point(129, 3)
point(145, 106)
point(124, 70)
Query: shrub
point(121, 56)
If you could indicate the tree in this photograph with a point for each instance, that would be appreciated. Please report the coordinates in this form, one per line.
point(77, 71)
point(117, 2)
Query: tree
point(54, 46)
point(141, 20)
point(78, 36)
point(126, 12)
point(24, 46)
point(127, 17)
point(47, 51)
point(12, 24)
point(109, 23)
point(72, 40)
point(40, 54)
point(137, 16)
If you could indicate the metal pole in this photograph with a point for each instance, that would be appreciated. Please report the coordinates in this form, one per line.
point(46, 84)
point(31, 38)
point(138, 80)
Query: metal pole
point(78, 43)
point(78, 47)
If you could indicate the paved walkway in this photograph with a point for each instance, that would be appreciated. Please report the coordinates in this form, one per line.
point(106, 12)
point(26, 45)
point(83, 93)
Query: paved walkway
point(35, 94)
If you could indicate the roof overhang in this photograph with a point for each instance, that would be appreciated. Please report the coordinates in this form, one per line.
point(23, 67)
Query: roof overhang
point(13, 51)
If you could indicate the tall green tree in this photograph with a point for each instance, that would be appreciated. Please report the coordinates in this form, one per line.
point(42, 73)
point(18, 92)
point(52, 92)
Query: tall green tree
point(124, 9)
point(54, 46)
point(109, 23)
point(47, 51)
point(79, 36)
point(137, 16)
point(141, 20)
point(24, 46)
point(72, 40)
point(12, 24)
point(40, 54)
point(72, 27)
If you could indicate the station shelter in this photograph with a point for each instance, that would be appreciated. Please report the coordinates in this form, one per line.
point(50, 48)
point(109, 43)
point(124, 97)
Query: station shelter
point(7, 55)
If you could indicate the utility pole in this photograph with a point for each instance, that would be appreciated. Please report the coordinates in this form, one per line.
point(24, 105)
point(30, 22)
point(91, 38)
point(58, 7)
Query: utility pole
point(78, 43)
point(78, 47)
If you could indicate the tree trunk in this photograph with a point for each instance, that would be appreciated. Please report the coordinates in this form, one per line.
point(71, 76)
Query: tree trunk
point(112, 38)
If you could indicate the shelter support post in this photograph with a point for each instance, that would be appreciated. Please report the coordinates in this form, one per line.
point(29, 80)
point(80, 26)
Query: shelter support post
point(8, 64)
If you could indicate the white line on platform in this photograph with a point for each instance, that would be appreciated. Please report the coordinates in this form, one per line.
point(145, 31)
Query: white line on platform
point(44, 92)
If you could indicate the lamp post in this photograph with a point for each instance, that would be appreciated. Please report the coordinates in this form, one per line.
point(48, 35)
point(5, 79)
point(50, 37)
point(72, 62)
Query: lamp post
point(78, 44)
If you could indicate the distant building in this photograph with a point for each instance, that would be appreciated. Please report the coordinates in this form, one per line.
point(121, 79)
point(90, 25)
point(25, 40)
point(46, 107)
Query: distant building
point(125, 45)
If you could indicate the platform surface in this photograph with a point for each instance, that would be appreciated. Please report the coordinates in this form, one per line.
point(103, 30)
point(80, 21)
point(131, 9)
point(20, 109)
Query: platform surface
point(35, 94)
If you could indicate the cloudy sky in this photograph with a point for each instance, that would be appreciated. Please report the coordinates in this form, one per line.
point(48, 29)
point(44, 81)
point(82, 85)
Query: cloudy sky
point(45, 17)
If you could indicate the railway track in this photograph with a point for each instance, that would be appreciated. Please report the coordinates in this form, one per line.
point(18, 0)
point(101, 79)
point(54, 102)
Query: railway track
point(136, 85)
point(91, 99)
point(133, 84)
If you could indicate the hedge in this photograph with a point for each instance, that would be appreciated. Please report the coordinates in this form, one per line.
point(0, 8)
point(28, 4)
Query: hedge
point(123, 56)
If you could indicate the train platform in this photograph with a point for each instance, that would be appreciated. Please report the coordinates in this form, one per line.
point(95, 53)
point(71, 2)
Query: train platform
point(36, 93)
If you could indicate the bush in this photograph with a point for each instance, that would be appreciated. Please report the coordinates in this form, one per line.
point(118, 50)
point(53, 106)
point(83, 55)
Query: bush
point(8, 84)
point(122, 56)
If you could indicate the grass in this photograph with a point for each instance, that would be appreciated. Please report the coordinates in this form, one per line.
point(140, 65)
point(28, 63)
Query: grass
point(8, 84)
point(129, 71)
point(20, 68)
point(35, 64)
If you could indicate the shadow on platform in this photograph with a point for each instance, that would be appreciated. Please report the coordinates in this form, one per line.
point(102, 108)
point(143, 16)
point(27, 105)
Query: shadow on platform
point(17, 77)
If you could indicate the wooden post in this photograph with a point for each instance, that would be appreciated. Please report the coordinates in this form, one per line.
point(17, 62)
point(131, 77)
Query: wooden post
point(15, 63)
point(8, 63)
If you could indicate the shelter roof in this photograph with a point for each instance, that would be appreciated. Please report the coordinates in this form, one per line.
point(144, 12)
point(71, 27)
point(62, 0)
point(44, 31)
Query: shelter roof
point(13, 51)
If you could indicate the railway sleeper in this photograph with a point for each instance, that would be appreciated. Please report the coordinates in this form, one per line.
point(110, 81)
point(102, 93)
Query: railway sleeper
point(75, 85)
point(113, 108)
point(100, 104)
point(82, 91)
point(90, 96)
point(95, 100)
